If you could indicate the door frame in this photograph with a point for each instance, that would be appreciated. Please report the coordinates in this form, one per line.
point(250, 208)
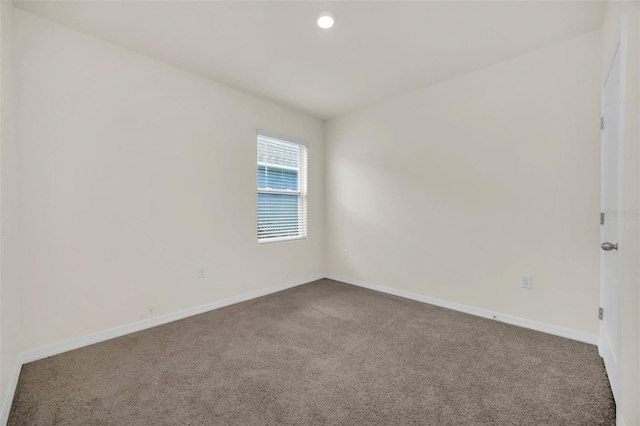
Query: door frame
point(619, 47)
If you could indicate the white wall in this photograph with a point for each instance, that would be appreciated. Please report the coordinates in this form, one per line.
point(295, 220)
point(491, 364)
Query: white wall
point(455, 190)
point(630, 359)
point(10, 242)
point(134, 174)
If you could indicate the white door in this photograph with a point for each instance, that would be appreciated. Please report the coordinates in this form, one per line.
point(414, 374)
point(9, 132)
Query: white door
point(612, 248)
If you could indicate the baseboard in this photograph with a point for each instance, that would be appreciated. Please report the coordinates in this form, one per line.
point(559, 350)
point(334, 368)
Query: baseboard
point(509, 319)
point(78, 342)
point(8, 399)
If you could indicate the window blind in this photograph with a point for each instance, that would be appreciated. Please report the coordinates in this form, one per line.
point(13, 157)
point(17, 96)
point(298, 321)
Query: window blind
point(282, 189)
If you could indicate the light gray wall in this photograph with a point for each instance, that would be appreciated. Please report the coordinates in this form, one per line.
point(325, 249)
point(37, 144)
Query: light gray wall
point(10, 238)
point(134, 174)
point(455, 190)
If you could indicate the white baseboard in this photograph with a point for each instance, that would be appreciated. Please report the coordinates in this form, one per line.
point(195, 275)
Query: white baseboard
point(78, 342)
point(8, 399)
point(81, 341)
point(509, 319)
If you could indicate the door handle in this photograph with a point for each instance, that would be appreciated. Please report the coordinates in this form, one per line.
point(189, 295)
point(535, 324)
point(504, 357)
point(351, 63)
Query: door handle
point(609, 246)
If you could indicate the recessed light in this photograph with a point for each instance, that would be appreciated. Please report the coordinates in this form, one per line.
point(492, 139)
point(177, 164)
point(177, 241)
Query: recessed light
point(326, 20)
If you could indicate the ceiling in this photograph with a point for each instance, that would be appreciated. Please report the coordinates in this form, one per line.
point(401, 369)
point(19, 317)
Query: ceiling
point(375, 51)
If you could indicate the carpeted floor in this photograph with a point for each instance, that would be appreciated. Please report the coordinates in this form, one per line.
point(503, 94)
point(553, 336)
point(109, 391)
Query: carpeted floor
point(322, 353)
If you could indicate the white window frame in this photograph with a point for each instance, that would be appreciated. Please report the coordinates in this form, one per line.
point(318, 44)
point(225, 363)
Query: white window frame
point(303, 168)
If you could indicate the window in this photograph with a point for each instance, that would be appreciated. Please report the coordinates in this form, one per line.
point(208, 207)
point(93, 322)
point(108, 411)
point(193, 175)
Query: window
point(282, 190)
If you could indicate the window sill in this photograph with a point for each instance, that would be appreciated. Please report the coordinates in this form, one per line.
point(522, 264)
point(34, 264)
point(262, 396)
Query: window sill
point(281, 239)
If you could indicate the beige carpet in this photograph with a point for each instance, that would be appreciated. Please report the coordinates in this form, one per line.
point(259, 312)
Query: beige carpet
point(322, 353)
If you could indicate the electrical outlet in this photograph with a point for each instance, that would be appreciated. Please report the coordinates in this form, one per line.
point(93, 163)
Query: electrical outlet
point(201, 272)
point(345, 254)
point(526, 281)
